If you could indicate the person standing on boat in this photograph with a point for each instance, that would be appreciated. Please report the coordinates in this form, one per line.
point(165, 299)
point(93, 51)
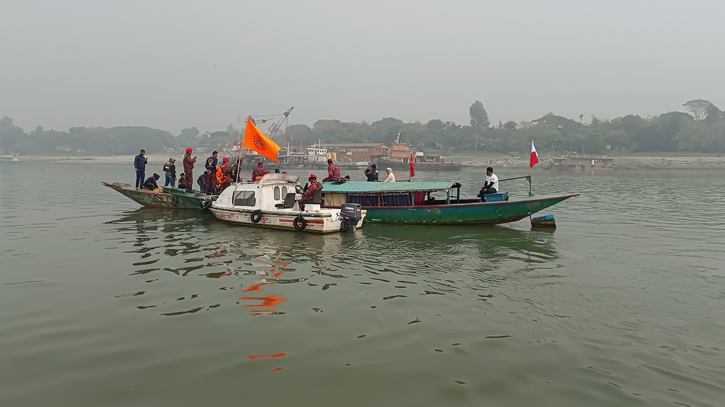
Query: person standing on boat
point(170, 170)
point(150, 183)
point(259, 171)
point(374, 171)
point(491, 185)
point(203, 182)
point(391, 176)
point(223, 176)
point(139, 163)
point(333, 172)
point(311, 187)
point(235, 171)
point(189, 169)
point(210, 166)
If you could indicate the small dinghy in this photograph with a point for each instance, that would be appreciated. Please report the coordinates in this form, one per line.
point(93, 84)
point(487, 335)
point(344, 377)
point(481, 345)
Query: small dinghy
point(169, 198)
point(273, 202)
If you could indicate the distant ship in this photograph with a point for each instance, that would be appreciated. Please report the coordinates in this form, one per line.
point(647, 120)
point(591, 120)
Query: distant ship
point(10, 158)
point(400, 155)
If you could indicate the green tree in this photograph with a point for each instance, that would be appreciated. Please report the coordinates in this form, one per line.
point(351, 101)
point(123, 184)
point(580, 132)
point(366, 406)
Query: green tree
point(479, 116)
point(698, 108)
point(9, 134)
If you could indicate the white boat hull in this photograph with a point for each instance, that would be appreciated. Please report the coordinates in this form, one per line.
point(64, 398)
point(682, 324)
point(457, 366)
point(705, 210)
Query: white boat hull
point(322, 221)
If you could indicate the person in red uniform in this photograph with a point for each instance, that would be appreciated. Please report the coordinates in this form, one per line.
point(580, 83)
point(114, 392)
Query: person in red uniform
point(259, 171)
point(312, 187)
point(333, 172)
point(223, 176)
point(189, 169)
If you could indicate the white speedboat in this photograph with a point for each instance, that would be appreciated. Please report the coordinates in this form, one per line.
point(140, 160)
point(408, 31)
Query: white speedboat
point(273, 202)
point(10, 158)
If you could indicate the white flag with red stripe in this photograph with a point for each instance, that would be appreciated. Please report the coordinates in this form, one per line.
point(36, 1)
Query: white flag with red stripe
point(534, 156)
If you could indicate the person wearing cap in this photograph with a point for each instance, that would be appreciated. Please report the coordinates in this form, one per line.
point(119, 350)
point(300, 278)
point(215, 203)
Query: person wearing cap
point(223, 176)
point(333, 172)
point(370, 176)
point(150, 183)
point(170, 170)
point(391, 176)
point(139, 163)
point(312, 187)
point(189, 170)
point(259, 171)
point(210, 166)
point(235, 171)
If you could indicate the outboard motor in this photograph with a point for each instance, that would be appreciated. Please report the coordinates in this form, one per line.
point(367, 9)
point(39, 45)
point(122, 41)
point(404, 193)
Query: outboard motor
point(351, 213)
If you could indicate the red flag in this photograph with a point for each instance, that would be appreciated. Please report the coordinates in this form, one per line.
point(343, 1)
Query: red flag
point(534, 156)
point(412, 166)
point(255, 140)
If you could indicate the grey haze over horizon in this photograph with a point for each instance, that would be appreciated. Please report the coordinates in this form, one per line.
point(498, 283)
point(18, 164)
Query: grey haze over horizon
point(178, 64)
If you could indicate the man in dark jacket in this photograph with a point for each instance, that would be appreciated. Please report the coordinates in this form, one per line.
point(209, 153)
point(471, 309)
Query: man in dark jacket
point(139, 163)
point(210, 166)
point(203, 182)
point(150, 183)
point(170, 170)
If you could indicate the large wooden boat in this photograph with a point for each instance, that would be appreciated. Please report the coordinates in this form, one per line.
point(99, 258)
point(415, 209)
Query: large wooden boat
point(413, 202)
point(273, 202)
point(170, 198)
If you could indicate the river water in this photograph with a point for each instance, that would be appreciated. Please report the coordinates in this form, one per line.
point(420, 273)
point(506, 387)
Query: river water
point(106, 304)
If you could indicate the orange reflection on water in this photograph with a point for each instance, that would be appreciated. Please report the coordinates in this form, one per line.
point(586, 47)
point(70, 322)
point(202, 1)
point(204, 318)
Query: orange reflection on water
point(256, 287)
point(281, 264)
point(274, 356)
point(278, 369)
point(268, 301)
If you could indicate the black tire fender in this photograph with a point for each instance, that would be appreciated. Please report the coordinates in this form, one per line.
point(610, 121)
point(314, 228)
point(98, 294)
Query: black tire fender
point(206, 203)
point(300, 223)
point(256, 216)
point(174, 201)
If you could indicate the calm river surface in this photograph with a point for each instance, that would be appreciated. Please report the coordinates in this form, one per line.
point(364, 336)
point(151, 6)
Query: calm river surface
point(106, 304)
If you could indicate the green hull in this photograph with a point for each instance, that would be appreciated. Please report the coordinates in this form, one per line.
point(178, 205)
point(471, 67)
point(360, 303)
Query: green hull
point(457, 214)
point(169, 198)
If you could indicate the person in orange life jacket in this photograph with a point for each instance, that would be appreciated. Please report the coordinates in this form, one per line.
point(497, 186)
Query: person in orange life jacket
point(150, 183)
point(210, 166)
point(312, 187)
point(224, 175)
point(333, 172)
point(259, 171)
point(139, 163)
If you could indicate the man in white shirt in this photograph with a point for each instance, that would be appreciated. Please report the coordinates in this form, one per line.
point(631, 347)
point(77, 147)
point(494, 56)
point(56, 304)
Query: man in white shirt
point(391, 176)
point(491, 185)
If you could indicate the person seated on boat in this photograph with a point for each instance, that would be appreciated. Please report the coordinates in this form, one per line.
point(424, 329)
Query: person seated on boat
point(259, 171)
point(182, 181)
point(346, 179)
point(333, 172)
point(150, 183)
point(203, 182)
point(391, 176)
point(491, 185)
point(276, 171)
point(310, 189)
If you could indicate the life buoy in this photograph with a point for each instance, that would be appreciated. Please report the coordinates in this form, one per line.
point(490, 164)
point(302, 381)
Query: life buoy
point(206, 203)
point(300, 223)
point(256, 216)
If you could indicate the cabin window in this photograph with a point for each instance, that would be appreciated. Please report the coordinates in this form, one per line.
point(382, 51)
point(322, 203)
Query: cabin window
point(276, 194)
point(244, 198)
point(284, 192)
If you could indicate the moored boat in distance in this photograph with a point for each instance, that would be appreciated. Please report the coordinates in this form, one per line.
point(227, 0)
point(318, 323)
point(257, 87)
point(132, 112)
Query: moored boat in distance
point(412, 202)
point(273, 202)
point(582, 163)
point(169, 198)
point(10, 158)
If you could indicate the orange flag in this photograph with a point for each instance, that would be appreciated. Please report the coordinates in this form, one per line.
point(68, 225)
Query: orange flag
point(255, 140)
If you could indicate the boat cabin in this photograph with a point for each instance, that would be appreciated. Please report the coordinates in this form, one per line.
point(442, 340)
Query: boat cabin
point(399, 194)
point(272, 192)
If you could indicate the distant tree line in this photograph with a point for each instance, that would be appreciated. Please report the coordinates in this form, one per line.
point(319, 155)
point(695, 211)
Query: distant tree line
point(701, 128)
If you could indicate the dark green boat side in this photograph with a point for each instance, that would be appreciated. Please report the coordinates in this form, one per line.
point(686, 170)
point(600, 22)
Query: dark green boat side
point(169, 198)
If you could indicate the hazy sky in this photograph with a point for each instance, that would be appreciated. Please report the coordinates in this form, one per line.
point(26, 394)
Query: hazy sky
point(176, 64)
